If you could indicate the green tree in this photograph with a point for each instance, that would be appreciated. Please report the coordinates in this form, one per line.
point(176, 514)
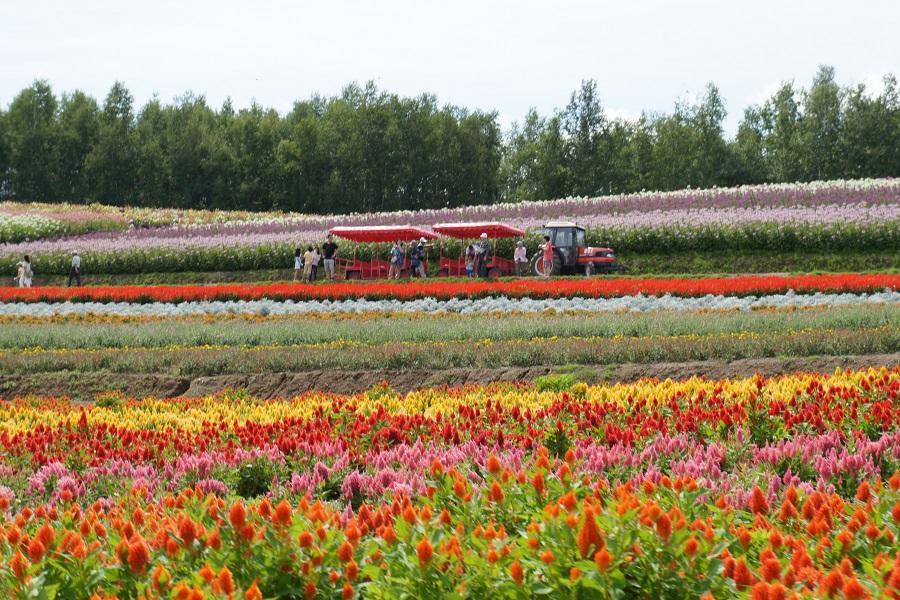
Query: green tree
point(79, 131)
point(112, 165)
point(820, 128)
point(34, 143)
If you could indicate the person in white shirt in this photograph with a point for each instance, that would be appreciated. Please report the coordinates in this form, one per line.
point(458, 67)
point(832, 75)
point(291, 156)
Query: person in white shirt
point(298, 264)
point(75, 269)
point(520, 257)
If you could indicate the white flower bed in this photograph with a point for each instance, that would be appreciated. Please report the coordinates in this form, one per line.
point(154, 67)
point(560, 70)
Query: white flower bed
point(632, 304)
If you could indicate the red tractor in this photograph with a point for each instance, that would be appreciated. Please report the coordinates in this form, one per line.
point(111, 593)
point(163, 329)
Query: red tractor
point(571, 254)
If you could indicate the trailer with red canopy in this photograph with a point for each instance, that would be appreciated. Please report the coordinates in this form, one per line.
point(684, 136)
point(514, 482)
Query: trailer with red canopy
point(496, 266)
point(376, 267)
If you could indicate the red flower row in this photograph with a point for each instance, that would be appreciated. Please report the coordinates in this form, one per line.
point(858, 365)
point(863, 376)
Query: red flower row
point(521, 288)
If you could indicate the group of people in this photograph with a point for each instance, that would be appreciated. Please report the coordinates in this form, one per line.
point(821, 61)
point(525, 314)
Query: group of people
point(416, 254)
point(25, 272)
point(306, 264)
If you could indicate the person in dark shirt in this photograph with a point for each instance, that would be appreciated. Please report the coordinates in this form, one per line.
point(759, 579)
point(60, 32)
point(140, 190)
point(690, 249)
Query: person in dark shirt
point(329, 253)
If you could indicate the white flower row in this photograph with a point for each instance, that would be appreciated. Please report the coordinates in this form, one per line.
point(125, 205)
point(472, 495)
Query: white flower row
point(632, 304)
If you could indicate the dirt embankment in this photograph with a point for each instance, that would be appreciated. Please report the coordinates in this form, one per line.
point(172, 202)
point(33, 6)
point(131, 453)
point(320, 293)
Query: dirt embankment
point(85, 387)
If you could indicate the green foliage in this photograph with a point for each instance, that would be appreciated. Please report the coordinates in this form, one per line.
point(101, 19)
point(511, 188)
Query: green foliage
point(558, 442)
point(555, 383)
point(254, 478)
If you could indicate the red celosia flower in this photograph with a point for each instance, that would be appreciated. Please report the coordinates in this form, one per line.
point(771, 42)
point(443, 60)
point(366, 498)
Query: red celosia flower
point(347, 591)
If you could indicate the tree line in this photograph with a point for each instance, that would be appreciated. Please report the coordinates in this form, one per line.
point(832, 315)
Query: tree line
point(369, 150)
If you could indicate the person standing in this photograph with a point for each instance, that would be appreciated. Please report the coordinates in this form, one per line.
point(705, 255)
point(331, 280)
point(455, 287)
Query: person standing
point(307, 263)
point(413, 258)
point(75, 269)
point(394, 263)
point(24, 272)
point(329, 253)
point(401, 260)
point(298, 264)
point(423, 245)
point(520, 257)
point(486, 251)
point(547, 261)
point(316, 258)
point(470, 260)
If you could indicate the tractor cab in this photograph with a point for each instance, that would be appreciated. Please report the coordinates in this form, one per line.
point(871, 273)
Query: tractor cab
point(572, 255)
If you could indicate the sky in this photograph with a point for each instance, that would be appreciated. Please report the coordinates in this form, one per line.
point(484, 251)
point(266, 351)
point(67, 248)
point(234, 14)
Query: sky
point(492, 55)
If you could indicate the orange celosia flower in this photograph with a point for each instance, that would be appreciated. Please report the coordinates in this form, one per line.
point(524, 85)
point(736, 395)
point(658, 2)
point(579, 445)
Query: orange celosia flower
point(589, 538)
point(207, 573)
point(345, 552)
point(547, 557)
point(758, 503)
point(742, 575)
point(691, 546)
point(309, 590)
point(36, 550)
point(664, 526)
point(538, 482)
point(497, 494)
point(347, 591)
point(19, 565)
point(253, 592)
point(603, 559)
point(283, 514)
point(516, 571)
point(160, 578)
point(138, 555)
point(225, 581)
point(306, 539)
point(237, 515)
point(424, 550)
point(493, 464)
point(831, 583)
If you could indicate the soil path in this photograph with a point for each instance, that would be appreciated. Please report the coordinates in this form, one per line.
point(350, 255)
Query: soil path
point(86, 386)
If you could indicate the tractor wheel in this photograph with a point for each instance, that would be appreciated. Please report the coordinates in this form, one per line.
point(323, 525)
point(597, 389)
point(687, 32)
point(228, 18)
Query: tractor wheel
point(443, 273)
point(494, 273)
point(540, 269)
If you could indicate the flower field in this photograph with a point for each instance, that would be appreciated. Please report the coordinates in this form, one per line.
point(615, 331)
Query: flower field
point(695, 488)
point(688, 436)
point(820, 221)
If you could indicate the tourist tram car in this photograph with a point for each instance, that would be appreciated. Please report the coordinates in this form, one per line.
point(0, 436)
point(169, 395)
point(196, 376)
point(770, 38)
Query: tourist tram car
point(497, 266)
point(376, 267)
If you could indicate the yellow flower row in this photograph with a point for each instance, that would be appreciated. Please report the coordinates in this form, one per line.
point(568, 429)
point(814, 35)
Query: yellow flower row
point(189, 415)
point(477, 343)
